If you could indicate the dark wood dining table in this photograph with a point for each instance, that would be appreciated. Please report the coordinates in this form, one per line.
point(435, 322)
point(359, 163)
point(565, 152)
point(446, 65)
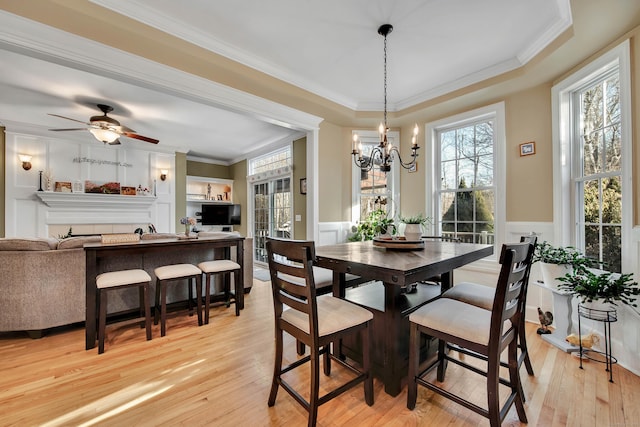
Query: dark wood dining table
point(394, 271)
point(146, 255)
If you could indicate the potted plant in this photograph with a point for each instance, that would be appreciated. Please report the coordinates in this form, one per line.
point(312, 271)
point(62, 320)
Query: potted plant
point(556, 261)
point(375, 224)
point(413, 228)
point(600, 289)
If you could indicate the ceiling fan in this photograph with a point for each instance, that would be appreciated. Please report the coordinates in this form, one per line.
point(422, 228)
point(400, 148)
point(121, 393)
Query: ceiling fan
point(105, 128)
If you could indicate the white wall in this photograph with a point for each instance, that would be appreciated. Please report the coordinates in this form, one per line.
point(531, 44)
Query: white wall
point(27, 215)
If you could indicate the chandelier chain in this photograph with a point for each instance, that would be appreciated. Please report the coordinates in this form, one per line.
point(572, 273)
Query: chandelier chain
point(385, 83)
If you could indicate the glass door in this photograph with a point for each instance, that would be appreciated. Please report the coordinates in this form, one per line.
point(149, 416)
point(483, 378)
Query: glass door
point(272, 205)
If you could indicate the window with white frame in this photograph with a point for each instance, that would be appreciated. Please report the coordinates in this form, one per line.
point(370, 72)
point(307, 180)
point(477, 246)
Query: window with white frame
point(465, 190)
point(272, 198)
point(374, 190)
point(592, 158)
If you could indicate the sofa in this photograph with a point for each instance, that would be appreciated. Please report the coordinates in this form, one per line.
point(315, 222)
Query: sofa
point(42, 280)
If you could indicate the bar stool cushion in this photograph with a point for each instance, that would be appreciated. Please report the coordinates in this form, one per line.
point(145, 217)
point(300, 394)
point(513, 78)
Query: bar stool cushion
point(457, 319)
point(334, 315)
point(472, 293)
point(120, 278)
point(218, 266)
point(176, 271)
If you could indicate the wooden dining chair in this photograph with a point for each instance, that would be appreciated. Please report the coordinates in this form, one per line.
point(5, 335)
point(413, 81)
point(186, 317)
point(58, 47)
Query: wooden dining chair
point(315, 322)
point(485, 332)
point(482, 296)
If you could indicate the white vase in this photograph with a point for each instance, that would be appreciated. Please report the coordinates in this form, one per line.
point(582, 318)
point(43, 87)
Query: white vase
point(413, 232)
point(551, 272)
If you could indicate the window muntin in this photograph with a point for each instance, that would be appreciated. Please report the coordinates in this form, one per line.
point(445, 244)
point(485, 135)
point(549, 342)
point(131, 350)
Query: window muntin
point(466, 193)
point(598, 171)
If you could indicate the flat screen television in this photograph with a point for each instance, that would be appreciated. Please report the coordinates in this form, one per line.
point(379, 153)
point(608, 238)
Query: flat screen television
point(219, 214)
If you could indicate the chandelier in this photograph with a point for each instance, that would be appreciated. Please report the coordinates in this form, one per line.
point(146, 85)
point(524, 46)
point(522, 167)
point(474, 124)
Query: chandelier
point(384, 153)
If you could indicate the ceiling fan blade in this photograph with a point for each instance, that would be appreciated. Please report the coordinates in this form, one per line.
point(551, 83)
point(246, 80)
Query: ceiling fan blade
point(65, 130)
point(68, 118)
point(140, 137)
point(124, 129)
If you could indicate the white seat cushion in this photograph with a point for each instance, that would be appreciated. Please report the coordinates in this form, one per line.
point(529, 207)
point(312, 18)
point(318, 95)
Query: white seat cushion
point(218, 266)
point(456, 318)
point(472, 293)
point(123, 277)
point(334, 314)
point(176, 271)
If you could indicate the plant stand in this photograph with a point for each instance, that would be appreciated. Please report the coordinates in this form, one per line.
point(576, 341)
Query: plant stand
point(562, 312)
point(607, 317)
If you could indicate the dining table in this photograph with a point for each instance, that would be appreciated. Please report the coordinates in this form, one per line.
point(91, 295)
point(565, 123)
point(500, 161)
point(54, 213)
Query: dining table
point(393, 292)
point(148, 254)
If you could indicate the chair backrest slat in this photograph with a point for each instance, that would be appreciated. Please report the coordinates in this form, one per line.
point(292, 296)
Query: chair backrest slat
point(292, 281)
point(511, 287)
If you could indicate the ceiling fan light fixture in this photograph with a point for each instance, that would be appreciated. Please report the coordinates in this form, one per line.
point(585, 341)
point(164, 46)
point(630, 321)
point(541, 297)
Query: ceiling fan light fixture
point(104, 135)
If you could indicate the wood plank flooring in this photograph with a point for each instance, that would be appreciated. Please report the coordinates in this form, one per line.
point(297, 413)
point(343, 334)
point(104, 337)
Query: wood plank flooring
point(220, 375)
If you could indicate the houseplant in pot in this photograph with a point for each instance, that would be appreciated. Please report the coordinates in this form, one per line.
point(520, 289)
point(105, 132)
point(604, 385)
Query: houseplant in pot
point(556, 261)
point(413, 226)
point(375, 224)
point(598, 289)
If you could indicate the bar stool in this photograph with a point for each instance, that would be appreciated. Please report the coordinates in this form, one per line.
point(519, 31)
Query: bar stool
point(224, 267)
point(118, 280)
point(174, 273)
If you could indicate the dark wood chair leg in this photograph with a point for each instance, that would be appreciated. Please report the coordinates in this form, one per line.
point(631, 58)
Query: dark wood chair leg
point(414, 356)
point(315, 387)
point(207, 297)
point(327, 360)
point(514, 379)
point(102, 298)
point(367, 339)
point(522, 340)
point(238, 287)
point(163, 309)
point(147, 310)
point(277, 367)
point(442, 362)
point(198, 279)
point(493, 397)
point(156, 307)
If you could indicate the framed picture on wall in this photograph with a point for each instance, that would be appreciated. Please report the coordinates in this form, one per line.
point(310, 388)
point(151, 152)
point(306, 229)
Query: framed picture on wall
point(527, 148)
point(303, 185)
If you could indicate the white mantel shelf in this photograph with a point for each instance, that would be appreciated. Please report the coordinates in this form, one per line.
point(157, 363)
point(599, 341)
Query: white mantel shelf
point(82, 201)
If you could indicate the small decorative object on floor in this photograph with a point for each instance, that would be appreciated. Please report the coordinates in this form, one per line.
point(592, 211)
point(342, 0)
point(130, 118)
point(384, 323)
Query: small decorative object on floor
point(546, 319)
point(188, 222)
point(588, 341)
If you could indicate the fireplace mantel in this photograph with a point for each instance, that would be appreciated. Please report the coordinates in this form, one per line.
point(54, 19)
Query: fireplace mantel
point(93, 201)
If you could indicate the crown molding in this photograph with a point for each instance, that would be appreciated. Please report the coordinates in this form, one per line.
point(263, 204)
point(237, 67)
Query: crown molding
point(33, 39)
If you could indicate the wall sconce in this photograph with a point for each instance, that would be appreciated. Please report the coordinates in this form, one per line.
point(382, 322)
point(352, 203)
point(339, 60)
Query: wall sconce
point(26, 161)
point(163, 174)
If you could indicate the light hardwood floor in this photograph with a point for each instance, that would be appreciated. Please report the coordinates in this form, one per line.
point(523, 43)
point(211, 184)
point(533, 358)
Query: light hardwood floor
point(220, 375)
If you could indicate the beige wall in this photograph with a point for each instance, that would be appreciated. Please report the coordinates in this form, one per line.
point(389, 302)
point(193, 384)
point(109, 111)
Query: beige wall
point(299, 200)
point(529, 184)
point(181, 188)
point(4, 180)
point(334, 179)
point(238, 172)
point(208, 170)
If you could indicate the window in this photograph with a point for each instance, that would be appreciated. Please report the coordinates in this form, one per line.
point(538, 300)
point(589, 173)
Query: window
point(467, 181)
point(596, 147)
point(272, 198)
point(374, 190)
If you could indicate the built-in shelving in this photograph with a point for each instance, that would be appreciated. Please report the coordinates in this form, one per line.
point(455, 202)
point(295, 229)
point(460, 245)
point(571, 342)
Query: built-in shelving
point(209, 190)
point(94, 200)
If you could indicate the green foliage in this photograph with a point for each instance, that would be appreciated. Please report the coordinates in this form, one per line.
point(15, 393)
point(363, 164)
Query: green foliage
point(374, 224)
point(470, 212)
point(64, 236)
point(607, 287)
point(569, 255)
point(416, 219)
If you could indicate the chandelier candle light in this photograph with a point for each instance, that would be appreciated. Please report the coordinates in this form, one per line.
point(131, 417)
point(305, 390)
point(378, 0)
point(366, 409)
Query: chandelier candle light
point(384, 151)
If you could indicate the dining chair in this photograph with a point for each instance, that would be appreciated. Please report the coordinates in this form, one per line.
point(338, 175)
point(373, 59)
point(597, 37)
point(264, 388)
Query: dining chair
point(314, 321)
point(437, 279)
point(485, 332)
point(482, 296)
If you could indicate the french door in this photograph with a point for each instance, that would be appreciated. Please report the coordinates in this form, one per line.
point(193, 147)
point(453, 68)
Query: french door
point(272, 213)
